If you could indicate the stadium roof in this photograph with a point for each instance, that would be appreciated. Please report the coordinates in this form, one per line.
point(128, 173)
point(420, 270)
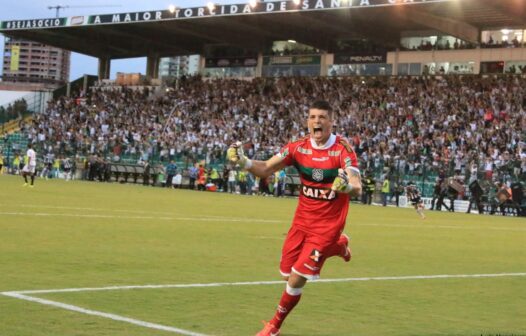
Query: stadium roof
point(318, 23)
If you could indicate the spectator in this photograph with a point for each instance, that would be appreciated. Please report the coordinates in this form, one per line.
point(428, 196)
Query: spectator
point(171, 169)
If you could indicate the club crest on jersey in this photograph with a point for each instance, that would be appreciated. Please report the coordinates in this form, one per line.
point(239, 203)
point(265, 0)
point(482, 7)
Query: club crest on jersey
point(316, 255)
point(317, 174)
point(324, 194)
point(335, 153)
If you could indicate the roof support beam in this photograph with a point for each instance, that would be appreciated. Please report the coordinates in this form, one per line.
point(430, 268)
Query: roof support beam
point(104, 68)
point(449, 26)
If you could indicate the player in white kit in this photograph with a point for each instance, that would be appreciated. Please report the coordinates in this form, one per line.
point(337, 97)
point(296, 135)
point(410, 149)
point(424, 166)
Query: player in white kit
point(30, 165)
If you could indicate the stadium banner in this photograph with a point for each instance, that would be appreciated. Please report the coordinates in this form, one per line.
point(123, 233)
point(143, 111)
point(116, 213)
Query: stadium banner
point(15, 58)
point(231, 62)
point(360, 58)
point(204, 11)
point(34, 23)
point(292, 60)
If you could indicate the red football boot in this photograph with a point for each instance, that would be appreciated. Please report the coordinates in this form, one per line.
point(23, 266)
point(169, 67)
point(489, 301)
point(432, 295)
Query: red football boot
point(346, 253)
point(268, 330)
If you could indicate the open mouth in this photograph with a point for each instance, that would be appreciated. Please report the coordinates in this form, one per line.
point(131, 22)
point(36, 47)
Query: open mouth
point(317, 130)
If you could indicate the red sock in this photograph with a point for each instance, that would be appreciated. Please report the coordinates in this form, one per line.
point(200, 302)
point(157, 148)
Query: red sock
point(286, 304)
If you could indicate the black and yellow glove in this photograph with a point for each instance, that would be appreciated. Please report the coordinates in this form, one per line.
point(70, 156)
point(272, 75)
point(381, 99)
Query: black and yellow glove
point(341, 182)
point(236, 156)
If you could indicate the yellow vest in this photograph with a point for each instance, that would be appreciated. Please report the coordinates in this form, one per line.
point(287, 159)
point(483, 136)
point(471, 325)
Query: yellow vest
point(242, 177)
point(385, 186)
point(214, 174)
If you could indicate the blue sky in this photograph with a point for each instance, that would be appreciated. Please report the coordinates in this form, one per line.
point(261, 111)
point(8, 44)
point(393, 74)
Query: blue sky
point(81, 64)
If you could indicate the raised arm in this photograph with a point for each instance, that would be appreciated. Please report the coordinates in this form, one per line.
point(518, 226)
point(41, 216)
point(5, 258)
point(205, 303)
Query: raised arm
point(261, 169)
point(266, 168)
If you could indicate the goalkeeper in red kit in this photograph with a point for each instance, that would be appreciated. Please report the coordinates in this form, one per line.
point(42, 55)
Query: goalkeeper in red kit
point(329, 175)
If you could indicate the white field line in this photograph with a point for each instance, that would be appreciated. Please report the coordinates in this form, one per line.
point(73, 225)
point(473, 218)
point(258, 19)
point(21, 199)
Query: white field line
point(22, 295)
point(259, 283)
point(271, 238)
point(102, 314)
point(457, 227)
point(247, 220)
point(88, 209)
point(131, 211)
point(97, 209)
point(200, 219)
point(220, 218)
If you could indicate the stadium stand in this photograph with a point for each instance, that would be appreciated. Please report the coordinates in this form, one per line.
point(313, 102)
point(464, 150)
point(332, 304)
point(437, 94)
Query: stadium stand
point(410, 128)
point(459, 118)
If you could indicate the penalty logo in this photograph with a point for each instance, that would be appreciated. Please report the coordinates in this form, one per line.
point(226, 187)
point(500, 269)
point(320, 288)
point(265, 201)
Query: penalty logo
point(317, 175)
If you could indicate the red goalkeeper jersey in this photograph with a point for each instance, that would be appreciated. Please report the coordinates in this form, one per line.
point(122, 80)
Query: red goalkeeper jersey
point(321, 211)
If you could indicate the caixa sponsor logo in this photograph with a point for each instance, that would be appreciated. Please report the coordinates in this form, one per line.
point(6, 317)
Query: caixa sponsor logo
point(318, 193)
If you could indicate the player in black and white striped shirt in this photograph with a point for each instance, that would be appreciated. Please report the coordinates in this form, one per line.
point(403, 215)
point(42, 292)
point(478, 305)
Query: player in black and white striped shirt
point(413, 194)
point(67, 164)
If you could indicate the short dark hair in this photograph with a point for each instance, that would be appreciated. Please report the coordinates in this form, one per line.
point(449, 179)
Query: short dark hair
point(322, 105)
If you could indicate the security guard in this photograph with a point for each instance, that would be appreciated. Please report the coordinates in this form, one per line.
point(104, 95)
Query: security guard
point(370, 186)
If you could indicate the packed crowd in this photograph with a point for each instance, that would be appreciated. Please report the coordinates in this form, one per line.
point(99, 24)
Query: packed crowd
point(468, 124)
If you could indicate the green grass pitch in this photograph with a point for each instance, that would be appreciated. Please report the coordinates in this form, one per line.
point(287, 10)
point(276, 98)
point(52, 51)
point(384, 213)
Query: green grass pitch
point(80, 234)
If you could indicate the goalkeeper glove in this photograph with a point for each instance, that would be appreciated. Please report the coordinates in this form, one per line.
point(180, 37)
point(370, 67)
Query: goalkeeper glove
point(235, 155)
point(341, 182)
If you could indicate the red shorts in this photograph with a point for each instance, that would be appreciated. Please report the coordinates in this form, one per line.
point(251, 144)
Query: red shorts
point(305, 254)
